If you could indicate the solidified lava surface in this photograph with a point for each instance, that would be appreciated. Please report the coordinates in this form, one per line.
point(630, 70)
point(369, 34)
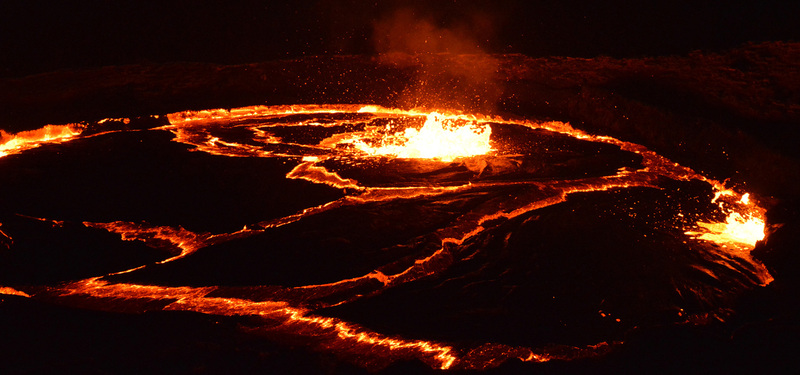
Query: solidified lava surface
point(253, 239)
point(552, 246)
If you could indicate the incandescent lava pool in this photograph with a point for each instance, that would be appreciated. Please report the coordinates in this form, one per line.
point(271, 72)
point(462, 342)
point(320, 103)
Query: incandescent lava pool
point(304, 235)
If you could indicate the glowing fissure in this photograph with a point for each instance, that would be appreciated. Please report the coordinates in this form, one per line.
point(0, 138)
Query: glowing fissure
point(290, 308)
point(468, 226)
point(742, 225)
point(315, 328)
point(181, 242)
point(310, 171)
point(194, 117)
point(6, 239)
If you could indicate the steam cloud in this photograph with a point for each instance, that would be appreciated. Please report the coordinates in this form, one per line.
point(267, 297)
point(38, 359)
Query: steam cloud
point(448, 50)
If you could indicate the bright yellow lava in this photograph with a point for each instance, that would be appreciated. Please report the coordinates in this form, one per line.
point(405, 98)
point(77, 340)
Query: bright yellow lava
point(441, 138)
point(14, 143)
point(737, 229)
point(744, 224)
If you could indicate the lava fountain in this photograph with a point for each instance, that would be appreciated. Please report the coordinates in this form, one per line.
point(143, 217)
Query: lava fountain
point(380, 235)
point(440, 138)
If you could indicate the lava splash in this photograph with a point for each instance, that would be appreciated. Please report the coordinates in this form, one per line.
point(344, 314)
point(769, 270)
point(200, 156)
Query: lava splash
point(438, 139)
point(379, 235)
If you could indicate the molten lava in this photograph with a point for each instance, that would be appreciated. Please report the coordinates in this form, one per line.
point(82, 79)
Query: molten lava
point(492, 181)
point(15, 143)
point(441, 137)
point(743, 227)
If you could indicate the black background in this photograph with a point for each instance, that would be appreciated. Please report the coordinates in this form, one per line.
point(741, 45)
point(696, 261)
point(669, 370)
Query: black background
point(43, 36)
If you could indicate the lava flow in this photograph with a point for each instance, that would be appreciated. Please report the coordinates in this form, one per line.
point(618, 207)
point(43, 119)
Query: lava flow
point(434, 224)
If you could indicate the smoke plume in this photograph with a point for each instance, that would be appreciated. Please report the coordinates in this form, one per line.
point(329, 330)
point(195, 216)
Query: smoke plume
point(448, 51)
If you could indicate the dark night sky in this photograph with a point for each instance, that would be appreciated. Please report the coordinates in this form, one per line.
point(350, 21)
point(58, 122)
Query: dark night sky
point(40, 36)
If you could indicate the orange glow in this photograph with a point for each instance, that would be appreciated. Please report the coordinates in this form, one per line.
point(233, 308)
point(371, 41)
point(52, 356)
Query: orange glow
point(123, 120)
point(297, 320)
point(441, 137)
point(25, 140)
point(444, 136)
point(323, 333)
point(738, 234)
point(736, 229)
point(6, 236)
point(178, 242)
point(308, 170)
point(13, 292)
point(743, 227)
